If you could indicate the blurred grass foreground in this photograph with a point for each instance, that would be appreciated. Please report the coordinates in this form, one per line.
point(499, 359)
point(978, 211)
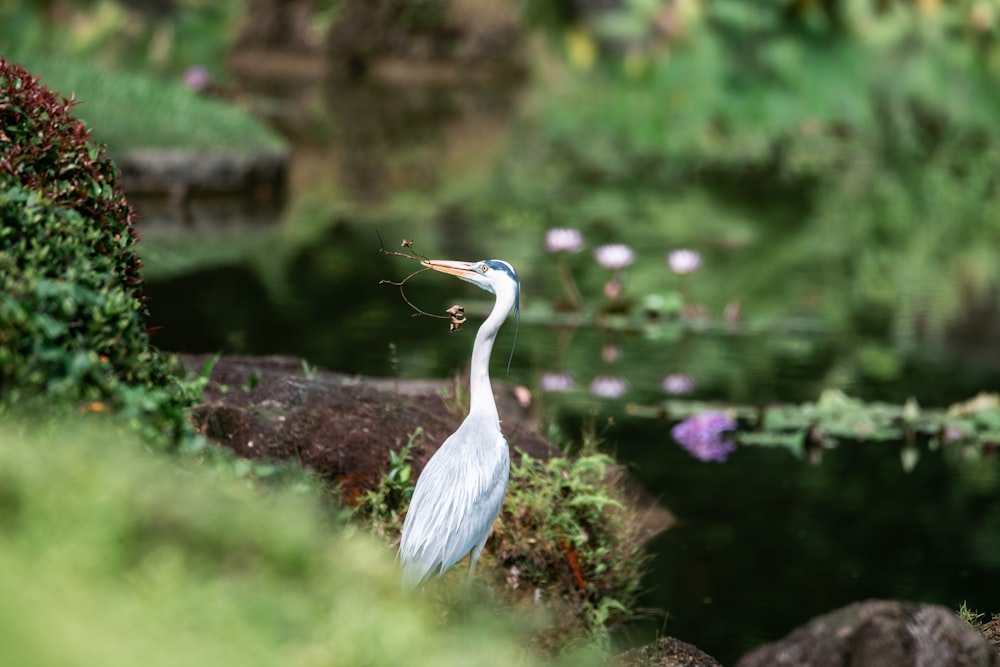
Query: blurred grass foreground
point(116, 556)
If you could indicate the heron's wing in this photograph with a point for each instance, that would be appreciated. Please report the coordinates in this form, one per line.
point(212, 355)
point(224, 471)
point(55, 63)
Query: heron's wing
point(458, 495)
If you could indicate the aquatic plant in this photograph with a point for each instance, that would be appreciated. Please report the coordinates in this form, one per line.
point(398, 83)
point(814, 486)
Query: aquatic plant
point(683, 262)
point(702, 435)
point(678, 383)
point(608, 386)
point(614, 256)
point(555, 381)
point(563, 239)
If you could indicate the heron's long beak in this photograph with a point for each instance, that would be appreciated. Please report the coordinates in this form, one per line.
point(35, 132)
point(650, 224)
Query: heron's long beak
point(460, 269)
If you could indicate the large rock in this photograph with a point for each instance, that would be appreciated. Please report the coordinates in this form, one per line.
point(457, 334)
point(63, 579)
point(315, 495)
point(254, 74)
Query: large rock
point(879, 633)
point(180, 190)
point(341, 426)
point(344, 426)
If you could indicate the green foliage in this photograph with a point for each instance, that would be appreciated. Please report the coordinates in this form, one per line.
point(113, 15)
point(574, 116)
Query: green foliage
point(129, 111)
point(970, 616)
point(114, 556)
point(309, 371)
point(382, 507)
point(190, 32)
point(566, 536)
point(59, 303)
point(72, 323)
point(47, 150)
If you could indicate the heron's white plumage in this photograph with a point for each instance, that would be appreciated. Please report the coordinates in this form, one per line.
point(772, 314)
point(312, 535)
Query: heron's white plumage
point(461, 489)
point(458, 495)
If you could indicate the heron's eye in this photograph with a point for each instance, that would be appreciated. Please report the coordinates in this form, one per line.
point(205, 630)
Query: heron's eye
point(484, 268)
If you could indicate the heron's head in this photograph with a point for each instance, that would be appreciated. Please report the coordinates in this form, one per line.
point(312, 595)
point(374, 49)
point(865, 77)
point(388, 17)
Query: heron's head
point(492, 275)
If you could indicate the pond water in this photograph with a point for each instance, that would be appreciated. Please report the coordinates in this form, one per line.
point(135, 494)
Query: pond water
point(764, 541)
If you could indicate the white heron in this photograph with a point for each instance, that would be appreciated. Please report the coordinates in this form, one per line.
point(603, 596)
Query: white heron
point(461, 489)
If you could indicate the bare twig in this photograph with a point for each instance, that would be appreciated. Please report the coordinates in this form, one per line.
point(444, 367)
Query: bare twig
point(456, 313)
point(405, 244)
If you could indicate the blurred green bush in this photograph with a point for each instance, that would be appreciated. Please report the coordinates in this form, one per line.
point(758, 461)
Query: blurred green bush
point(113, 556)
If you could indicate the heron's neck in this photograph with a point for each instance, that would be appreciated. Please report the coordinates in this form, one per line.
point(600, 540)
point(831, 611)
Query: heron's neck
point(481, 401)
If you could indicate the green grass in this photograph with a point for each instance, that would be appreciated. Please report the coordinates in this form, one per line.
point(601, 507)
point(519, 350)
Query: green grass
point(116, 556)
point(129, 111)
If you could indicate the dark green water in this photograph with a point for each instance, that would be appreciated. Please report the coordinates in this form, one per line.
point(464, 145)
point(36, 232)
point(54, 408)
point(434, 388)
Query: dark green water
point(766, 540)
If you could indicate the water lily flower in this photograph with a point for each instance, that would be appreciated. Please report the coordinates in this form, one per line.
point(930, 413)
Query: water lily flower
point(563, 239)
point(608, 386)
point(683, 261)
point(678, 383)
point(556, 381)
point(614, 256)
point(702, 435)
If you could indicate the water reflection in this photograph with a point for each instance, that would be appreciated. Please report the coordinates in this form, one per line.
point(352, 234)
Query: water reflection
point(323, 301)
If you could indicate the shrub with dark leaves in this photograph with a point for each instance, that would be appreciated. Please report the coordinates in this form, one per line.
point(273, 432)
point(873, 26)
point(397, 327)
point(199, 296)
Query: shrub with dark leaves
point(72, 322)
point(46, 150)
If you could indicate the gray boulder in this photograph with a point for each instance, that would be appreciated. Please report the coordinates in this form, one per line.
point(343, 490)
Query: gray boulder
point(880, 633)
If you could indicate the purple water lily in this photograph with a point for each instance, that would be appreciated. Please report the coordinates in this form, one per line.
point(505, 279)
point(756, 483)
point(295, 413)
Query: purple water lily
point(608, 386)
point(556, 381)
point(614, 256)
point(678, 383)
point(683, 261)
point(563, 239)
point(702, 435)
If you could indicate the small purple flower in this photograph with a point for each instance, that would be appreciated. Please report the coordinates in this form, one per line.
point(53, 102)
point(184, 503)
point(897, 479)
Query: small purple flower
point(197, 78)
point(563, 239)
point(701, 435)
point(608, 386)
point(614, 256)
point(683, 261)
point(678, 383)
point(555, 381)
